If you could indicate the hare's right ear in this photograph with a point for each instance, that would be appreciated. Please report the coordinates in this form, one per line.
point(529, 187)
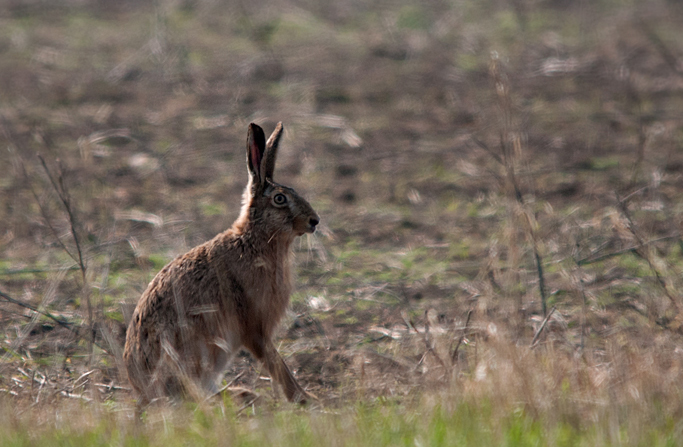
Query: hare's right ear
point(256, 146)
point(271, 153)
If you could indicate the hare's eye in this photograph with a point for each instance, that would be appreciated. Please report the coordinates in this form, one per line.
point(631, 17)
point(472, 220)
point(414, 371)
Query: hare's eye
point(279, 199)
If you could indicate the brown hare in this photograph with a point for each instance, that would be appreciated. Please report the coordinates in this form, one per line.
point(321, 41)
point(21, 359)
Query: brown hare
point(225, 294)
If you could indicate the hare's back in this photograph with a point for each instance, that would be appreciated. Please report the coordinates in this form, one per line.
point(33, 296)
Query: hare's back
point(187, 286)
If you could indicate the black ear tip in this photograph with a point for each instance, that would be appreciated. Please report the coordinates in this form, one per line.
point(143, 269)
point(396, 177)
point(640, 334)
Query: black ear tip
point(256, 135)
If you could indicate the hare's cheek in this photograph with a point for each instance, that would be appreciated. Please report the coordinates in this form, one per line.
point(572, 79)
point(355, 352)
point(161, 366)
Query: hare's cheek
point(302, 226)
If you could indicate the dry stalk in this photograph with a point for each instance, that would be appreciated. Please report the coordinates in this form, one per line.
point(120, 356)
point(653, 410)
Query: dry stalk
point(65, 198)
point(511, 148)
point(584, 303)
point(664, 50)
point(592, 258)
point(32, 270)
point(46, 217)
point(62, 191)
point(639, 120)
point(454, 355)
point(430, 344)
point(65, 324)
point(247, 405)
point(534, 341)
point(646, 254)
point(637, 168)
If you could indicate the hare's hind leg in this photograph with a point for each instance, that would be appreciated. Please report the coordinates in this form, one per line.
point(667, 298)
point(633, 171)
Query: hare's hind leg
point(283, 375)
point(222, 355)
point(279, 372)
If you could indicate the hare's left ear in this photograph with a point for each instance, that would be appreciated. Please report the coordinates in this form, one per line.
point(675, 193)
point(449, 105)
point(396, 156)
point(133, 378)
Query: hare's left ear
point(268, 164)
point(256, 146)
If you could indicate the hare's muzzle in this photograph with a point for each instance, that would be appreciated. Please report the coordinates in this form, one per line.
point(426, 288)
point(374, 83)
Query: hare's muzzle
point(312, 222)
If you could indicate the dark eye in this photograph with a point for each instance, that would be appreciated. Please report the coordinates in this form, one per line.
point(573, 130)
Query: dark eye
point(279, 199)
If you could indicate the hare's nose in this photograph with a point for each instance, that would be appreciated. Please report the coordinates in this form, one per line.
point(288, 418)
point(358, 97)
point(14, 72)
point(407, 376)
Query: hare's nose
point(313, 221)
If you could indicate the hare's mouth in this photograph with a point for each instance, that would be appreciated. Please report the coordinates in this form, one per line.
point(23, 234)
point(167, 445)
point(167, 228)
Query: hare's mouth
point(309, 229)
point(307, 226)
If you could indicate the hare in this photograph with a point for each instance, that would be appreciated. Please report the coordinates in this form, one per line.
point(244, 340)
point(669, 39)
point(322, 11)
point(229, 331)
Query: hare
point(226, 294)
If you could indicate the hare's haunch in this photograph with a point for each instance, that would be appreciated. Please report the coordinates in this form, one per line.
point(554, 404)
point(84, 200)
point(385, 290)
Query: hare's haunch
point(225, 294)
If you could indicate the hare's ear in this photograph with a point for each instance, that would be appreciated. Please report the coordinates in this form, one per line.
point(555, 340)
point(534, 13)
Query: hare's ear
point(268, 165)
point(256, 146)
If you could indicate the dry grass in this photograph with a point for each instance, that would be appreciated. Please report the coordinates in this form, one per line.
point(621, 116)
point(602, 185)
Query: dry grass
point(476, 165)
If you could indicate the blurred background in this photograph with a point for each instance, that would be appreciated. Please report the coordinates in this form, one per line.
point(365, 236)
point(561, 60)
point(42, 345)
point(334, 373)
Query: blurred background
point(513, 159)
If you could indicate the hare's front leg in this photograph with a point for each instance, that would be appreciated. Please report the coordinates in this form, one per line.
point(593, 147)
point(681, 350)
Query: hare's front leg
point(266, 352)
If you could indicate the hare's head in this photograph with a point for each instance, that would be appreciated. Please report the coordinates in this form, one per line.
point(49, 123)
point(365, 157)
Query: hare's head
point(273, 208)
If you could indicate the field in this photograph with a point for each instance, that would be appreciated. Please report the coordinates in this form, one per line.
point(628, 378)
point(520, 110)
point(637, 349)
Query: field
point(500, 257)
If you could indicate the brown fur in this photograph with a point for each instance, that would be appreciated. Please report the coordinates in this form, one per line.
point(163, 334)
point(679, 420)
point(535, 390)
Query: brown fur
point(227, 293)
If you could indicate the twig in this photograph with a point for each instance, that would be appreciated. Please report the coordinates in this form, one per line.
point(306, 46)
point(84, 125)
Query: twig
point(623, 206)
point(587, 261)
point(83, 376)
point(112, 386)
point(63, 194)
point(75, 396)
point(42, 384)
point(28, 271)
point(584, 303)
point(407, 321)
point(430, 348)
point(541, 279)
point(63, 323)
point(540, 329)
point(590, 260)
point(64, 197)
point(229, 384)
point(508, 151)
point(59, 321)
point(462, 337)
point(666, 53)
point(247, 405)
point(486, 148)
point(46, 218)
point(422, 359)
